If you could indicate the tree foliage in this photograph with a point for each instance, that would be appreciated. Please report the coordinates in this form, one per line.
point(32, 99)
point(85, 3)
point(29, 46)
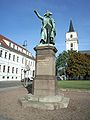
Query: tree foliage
point(61, 61)
point(77, 65)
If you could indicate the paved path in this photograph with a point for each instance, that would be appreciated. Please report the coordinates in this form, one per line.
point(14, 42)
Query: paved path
point(9, 85)
point(5, 84)
point(78, 108)
point(4, 118)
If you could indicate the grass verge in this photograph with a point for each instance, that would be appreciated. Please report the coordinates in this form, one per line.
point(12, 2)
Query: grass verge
point(74, 84)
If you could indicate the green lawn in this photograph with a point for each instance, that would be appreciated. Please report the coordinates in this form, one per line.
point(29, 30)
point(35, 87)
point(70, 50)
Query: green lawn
point(74, 84)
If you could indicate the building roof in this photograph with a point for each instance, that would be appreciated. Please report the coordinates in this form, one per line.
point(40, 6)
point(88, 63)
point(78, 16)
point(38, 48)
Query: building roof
point(5, 45)
point(71, 28)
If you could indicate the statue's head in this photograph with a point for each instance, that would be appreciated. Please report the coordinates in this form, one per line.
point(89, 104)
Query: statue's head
point(48, 13)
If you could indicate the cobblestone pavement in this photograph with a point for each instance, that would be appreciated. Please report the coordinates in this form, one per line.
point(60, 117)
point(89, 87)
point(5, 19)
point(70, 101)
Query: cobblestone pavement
point(10, 109)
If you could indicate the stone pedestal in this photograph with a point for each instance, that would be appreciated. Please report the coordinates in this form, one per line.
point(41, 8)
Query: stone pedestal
point(44, 86)
point(44, 82)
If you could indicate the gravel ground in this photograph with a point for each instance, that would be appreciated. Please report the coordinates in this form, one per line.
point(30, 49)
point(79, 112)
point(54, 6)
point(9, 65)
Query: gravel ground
point(10, 109)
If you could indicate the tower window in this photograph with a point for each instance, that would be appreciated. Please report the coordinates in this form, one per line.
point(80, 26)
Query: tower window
point(71, 44)
point(71, 36)
point(71, 48)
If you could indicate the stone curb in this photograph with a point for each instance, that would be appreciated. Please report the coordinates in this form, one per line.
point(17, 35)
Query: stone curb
point(74, 90)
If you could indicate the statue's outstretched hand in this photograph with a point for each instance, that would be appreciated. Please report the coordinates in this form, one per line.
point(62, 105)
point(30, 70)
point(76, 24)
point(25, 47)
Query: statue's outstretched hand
point(35, 11)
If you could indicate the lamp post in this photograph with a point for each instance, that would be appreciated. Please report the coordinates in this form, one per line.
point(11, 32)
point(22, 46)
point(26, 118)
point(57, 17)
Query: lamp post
point(25, 43)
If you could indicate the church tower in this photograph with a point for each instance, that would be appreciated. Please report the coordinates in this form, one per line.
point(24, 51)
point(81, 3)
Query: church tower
point(71, 38)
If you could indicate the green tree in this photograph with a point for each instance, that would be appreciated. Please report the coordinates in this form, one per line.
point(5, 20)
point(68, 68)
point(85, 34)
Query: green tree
point(61, 62)
point(78, 65)
point(74, 64)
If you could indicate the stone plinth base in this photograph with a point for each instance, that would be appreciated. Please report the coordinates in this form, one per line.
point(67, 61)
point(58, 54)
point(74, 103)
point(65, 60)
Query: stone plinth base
point(44, 82)
point(45, 102)
point(44, 85)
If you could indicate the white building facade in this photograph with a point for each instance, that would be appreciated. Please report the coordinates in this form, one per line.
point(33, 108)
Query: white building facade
point(71, 39)
point(16, 62)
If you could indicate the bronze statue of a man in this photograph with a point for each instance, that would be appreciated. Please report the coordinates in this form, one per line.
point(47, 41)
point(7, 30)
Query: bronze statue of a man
point(48, 31)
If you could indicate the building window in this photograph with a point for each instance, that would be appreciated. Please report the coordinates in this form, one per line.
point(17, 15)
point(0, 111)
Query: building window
point(3, 77)
point(4, 68)
point(16, 70)
point(9, 56)
point(0, 68)
point(33, 73)
point(31, 63)
point(25, 62)
point(5, 54)
point(22, 60)
point(8, 69)
point(12, 69)
point(7, 77)
point(0, 53)
point(17, 58)
point(13, 57)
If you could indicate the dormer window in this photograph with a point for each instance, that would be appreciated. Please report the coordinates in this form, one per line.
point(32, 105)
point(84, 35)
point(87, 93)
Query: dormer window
point(13, 46)
point(9, 44)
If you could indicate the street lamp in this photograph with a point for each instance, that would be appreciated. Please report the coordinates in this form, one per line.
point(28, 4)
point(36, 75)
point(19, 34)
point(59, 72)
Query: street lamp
point(25, 43)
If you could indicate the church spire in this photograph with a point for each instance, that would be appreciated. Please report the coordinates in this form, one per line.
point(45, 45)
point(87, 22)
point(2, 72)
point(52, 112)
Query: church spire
point(71, 29)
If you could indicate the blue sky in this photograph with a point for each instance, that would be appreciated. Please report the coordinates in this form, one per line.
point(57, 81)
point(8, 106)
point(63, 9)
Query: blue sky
point(19, 23)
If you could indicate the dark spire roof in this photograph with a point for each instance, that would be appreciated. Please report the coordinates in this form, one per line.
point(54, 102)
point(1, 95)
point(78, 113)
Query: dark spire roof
point(71, 29)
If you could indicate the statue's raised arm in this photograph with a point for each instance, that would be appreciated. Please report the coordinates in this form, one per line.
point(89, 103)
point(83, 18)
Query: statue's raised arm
point(38, 15)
